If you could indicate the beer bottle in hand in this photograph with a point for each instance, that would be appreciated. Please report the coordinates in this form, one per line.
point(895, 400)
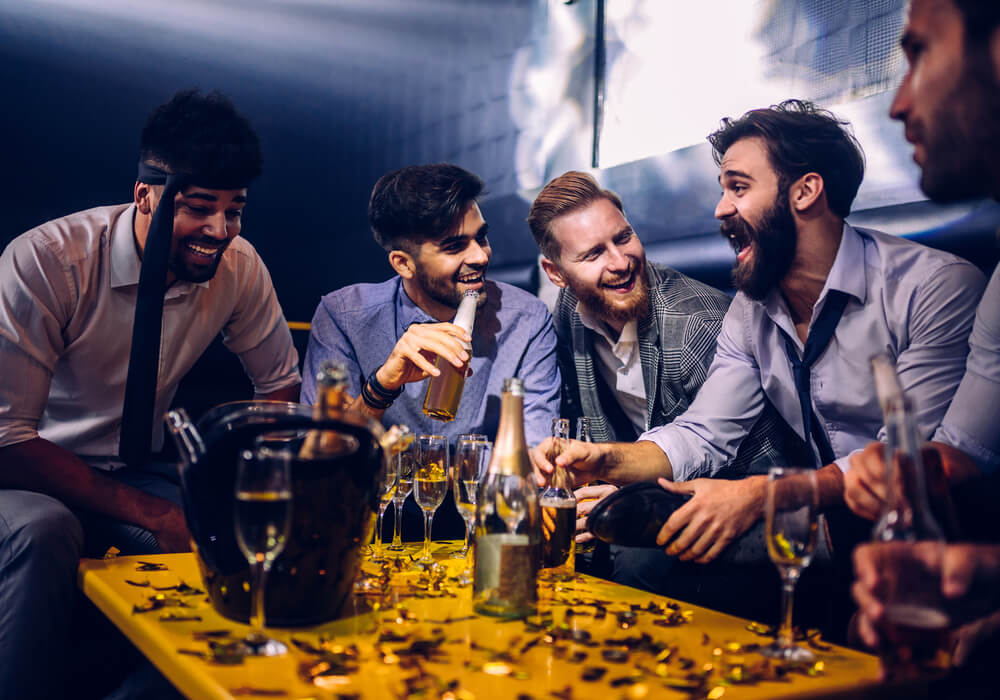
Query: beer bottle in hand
point(508, 521)
point(558, 504)
point(445, 390)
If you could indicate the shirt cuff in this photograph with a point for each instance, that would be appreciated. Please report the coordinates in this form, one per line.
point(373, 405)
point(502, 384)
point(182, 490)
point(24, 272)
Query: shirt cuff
point(679, 454)
point(986, 459)
point(845, 462)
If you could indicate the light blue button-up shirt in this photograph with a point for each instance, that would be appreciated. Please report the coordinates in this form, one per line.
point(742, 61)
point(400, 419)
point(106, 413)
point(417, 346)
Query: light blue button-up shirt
point(513, 336)
point(972, 422)
point(915, 303)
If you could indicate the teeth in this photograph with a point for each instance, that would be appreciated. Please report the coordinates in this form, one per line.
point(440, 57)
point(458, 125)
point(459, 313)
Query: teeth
point(201, 249)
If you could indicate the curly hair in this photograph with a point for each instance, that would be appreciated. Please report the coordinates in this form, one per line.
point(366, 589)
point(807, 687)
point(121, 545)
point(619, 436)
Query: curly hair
point(202, 135)
point(801, 138)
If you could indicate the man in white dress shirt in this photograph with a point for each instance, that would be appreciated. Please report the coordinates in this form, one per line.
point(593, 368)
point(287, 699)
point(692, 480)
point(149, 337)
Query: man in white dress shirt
point(69, 291)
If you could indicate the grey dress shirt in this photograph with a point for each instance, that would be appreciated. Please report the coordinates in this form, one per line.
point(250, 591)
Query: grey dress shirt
point(512, 337)
point(972, 423)
point(67, 298)
point(913, 302)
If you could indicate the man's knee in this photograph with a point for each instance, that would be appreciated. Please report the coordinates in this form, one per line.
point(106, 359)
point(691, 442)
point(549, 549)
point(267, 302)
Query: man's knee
point(38, 530)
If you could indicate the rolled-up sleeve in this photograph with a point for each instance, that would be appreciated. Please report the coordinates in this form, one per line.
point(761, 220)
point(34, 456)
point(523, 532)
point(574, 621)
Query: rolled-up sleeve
point(540, 373)
point(36, 299)
point(971, 422)
point(258, 333)
point(708, 434)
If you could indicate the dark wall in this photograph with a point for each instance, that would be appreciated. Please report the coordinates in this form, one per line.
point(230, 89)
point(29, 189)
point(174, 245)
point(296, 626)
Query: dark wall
point(340, 92)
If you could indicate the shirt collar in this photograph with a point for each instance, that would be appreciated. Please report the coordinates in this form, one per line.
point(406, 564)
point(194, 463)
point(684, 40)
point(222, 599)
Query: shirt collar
point(125, 261)
point(628, 335)
point(407, 310)
point(848, 274)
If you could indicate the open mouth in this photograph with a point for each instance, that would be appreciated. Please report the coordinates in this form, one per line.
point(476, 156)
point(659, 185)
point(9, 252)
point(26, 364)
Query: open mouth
point(472, 279)
point(203, 252)
point(624, 286)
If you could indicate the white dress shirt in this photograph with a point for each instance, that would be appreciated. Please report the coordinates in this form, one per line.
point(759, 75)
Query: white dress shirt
point(913, 302)
point(620, 365)
point(67, 299)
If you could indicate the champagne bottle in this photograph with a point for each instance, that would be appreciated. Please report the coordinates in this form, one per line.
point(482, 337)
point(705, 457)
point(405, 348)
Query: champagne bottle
point(331, 394)
point(508, 520)
point(445, 390)
point(558, 504)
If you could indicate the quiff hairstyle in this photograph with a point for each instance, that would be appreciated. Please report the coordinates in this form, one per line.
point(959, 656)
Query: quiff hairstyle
point(566, 194)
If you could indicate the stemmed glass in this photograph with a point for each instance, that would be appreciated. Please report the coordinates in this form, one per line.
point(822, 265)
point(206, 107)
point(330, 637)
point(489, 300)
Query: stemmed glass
point(471, 453)
point(430, 483)
point(406, 464)
point(262, 519)
point(792, 511)
point(387, 492)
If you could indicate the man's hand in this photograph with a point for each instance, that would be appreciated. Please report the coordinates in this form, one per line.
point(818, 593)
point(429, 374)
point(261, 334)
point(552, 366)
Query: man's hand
point(586, 498)
point(170, 530)
point(719, 511)
point(864, 482)
point(962, 578)
point(412, 358)
point(584, 461)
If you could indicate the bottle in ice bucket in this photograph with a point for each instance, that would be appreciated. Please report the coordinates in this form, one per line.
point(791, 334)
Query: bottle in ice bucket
point(915, 641)
point(558, 504)
point(508, 521)
point(445, 390)
point(331, 388)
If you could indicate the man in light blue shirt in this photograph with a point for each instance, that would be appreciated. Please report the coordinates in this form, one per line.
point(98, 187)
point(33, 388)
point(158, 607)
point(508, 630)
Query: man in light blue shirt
point(789, 174)
point(389, 334)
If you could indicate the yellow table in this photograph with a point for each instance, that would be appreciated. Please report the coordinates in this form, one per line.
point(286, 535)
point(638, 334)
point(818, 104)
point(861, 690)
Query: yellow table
point(425, 636)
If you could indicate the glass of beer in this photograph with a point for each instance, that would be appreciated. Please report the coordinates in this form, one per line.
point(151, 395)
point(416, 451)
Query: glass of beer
point(471, 455)
point(406, 465)
point(430, 483)
point(792, 524)
point(915, 629)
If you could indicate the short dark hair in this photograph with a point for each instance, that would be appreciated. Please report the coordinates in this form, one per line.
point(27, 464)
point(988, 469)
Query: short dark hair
point(801, 138)
point(567, 193)
point(419, 203)
point(203, 135)
point(980, 18)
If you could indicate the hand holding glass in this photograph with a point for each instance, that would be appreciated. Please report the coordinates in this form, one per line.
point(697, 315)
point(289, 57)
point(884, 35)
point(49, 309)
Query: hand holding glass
point(792, 512)
point(262, 519)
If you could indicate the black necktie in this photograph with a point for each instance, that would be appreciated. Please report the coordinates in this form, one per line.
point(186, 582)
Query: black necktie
point(144, 356)
point(819, 337)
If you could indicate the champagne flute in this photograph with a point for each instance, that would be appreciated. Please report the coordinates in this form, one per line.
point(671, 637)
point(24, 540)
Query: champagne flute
point(406, 464)
point(262, 519)
point(792, 512)
point(430, 483)
point(387, 492)
point(471, 453)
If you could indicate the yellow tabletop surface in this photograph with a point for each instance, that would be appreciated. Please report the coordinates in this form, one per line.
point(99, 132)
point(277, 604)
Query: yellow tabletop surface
point(419, 636)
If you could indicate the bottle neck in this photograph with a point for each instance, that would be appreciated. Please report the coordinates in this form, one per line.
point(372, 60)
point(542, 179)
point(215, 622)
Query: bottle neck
point(510, 451)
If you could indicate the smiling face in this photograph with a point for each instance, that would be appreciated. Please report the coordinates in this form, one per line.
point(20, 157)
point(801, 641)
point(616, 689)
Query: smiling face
point(949, 102)
point(755, 217)
point(444, 269)
point(601, 261)
point(205, 223)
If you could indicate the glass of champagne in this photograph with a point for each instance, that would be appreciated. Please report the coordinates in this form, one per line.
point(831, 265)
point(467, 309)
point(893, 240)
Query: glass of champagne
point(792, 525)
point(430, 483)
point(406, 464)
point(387, 492)
point(262, 519)
point(471, 454)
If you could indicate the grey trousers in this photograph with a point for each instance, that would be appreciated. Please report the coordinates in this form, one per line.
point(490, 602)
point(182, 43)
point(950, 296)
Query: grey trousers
point(41, 542)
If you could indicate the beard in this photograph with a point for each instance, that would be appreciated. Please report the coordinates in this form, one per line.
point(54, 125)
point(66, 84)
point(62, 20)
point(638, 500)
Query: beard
point(189, 272)
point(446, 291)
point(773, 241)
point(962, 137)
point(611, 307)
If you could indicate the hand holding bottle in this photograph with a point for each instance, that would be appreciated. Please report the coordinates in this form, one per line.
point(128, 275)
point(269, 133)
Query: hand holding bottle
point(412, 358)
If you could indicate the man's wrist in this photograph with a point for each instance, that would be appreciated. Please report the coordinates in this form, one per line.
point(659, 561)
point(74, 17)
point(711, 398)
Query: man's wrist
point(376, 395)
point(384, 382)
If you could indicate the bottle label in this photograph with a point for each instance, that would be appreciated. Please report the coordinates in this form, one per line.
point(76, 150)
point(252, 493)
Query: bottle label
point(506, 571)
